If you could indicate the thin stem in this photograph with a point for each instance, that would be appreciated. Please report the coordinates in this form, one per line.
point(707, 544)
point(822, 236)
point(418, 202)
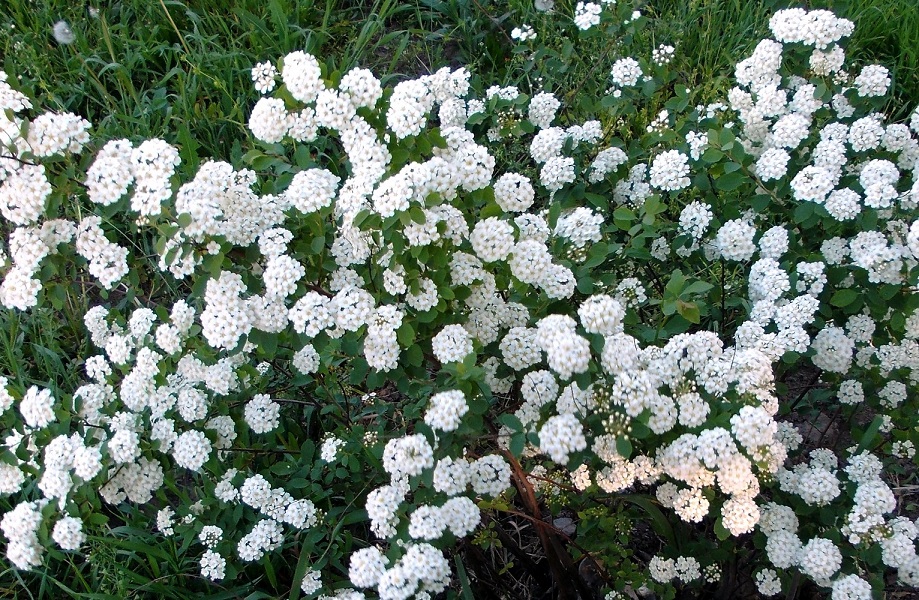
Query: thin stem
point(260, 451)
point(567, 488)
point(494, 20)
point(829, 425)
point(290, 401)
point(807, 388)
point(179, 33)
point(561, 534)
point(108, 97)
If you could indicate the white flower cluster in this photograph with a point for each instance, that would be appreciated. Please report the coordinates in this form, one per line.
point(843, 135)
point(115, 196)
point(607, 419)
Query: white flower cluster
point(264, 77)
point(818, 28)
point(663, 54)
point(586, 15)
point(874, 80)
point(700, 459)
point(865, 524)
point(560, 436)
point(524, 33)
point(684, 568)
point(160, 397)
point(607, 161)
point(669, 171)
point(57, 133)
point(626, 72)
point(543, 107)
point(735, 240)
point(452, 344)
point(422, 568)
point(20, 527)
point(446, 410)
point(262, 414)
point(108, 262)
point(695, 219)
point(580, 226)
point(567, 352)
point(25, 189)
point(330, 448)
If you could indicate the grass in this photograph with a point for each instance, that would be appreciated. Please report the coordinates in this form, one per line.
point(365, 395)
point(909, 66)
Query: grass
point(717, 33)
point(181, 71)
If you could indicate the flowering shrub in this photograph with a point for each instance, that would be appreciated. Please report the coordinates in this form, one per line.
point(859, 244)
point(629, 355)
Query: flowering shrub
point(380, 329)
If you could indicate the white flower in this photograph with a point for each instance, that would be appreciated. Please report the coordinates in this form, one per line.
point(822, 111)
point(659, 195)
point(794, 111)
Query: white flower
point(874, 80)
point(542, 109)
point(523, 33)
point(191, 450)
point(263, 76)
point(735, 240)
point(330, 448)
point(270, 121)
point(586, 15)
point(68, 533)
point(262, 414)
point(669, 171)
point(560, 436)
point(36, 407)
point(62, 33)
point(626, 72)
point(213, 565)
point(446, 410)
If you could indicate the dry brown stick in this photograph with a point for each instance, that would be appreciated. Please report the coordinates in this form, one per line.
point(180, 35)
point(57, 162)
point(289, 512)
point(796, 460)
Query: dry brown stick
point(535, 570)
point(560, 563)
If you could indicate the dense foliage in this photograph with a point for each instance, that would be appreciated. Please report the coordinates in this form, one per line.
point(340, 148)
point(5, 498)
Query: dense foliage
point(332, 364)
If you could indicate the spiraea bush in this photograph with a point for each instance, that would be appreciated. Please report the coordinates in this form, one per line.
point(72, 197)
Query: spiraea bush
point(411, 307)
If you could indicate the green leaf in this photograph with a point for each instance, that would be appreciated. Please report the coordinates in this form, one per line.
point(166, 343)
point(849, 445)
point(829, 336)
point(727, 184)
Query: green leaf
point(141, 548)
point(491, 210)
point(803, 212)
point(697, 287)
point(689, 311)
point(597, 255)
point(624, 214)
point(624, 447)
point(870, 434)
point(358, 371)
point(518, 442)
point(721, 531)
point(659, 522)
point(57, 295)
point(674, 287)
point(250, 156)
point(760, 203)
point(730, 181)
point(889, 291)
point(317, 245)
point(463, 578)
point(360, 217)
point(668, 307)
point(511, 422)
point(712, 155)
point(597, 200)
point(844, 297)
point(405, 334)
point(417, 215)
point(478, 405)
